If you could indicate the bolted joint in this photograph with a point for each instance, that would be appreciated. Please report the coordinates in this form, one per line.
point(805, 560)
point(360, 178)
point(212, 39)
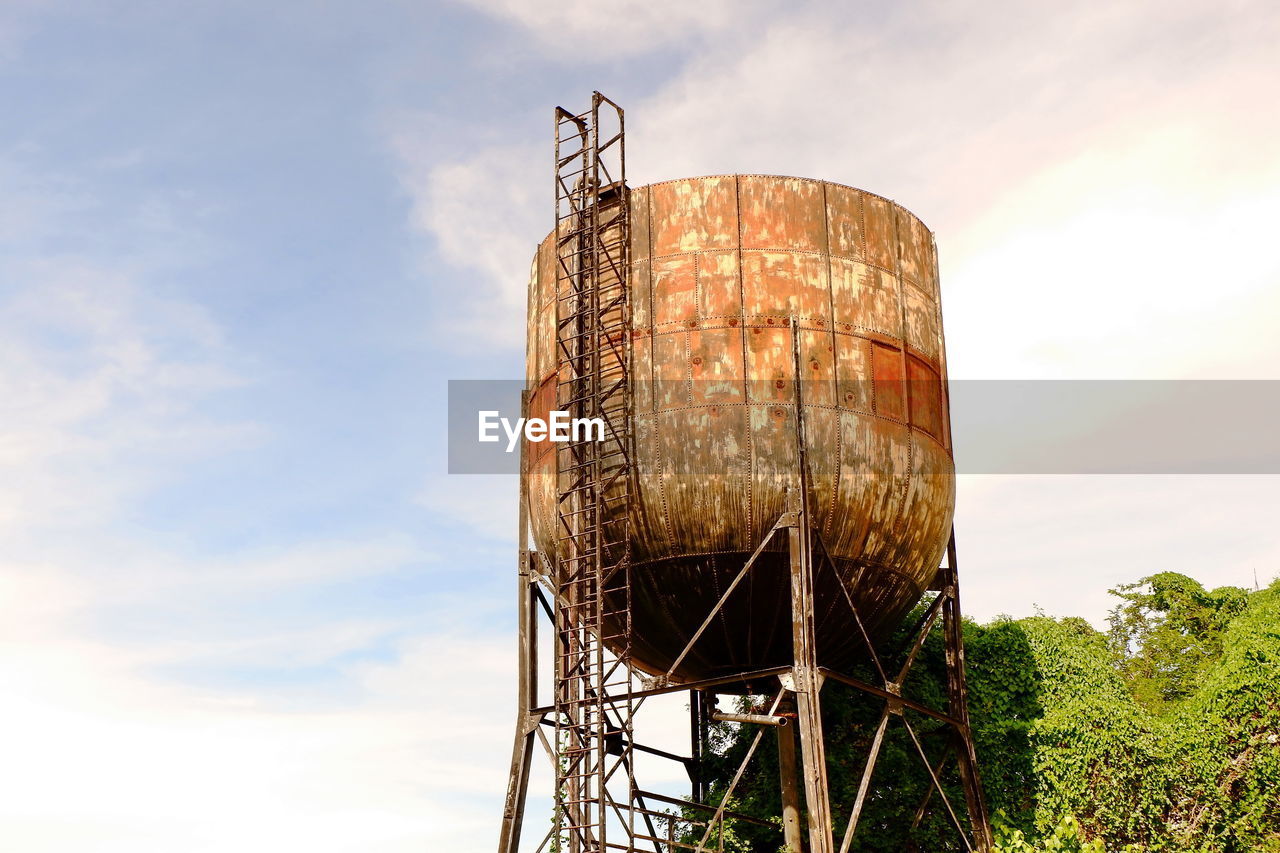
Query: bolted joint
point(895, 703)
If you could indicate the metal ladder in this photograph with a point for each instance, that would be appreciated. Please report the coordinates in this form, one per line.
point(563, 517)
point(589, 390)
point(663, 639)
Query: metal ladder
point(593, 590)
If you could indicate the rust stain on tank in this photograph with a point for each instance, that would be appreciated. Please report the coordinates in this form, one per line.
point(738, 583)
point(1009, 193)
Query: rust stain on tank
point(727, 274)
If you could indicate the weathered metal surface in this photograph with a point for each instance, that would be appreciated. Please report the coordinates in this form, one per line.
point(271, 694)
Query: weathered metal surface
point(752, 719)
point(729, 277)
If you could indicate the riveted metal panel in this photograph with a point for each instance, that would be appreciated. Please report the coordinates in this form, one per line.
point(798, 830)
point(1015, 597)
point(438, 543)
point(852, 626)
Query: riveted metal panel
point(540, 460)
point(531, 321)
point(880, 222)
point(866, 298)
point(865, 470)
point(719, 285)
point(675, 289)
point(642, 385)
point(926, 397)
point(785, 284)
point(693, 215)
point(641, 296)
point(639, 200)
point(545, 334)
point(822, 429)
point(888, 379)
point(703, 477)
point(923, 333)
point(930, 497)
point(844, 222)
point(651, 537)
point(929, 276)
point(716, 368)
point(770, 365)
point(782, 213)
point(853, 373)
point(670, 371)
point(818, 366)
point(913, 242)
point(715, 305)
point(888, 450)
point(774, 460)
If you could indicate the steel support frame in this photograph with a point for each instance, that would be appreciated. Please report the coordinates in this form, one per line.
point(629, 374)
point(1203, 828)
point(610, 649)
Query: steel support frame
point(597, 693)
point(945, 605)
point(800, 686)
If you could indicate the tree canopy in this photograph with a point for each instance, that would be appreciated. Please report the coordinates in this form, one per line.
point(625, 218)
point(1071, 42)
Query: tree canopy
point(1160, 734)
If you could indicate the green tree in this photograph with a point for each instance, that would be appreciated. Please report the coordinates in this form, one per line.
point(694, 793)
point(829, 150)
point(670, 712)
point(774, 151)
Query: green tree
point(1167, 631)
point(1162, 734)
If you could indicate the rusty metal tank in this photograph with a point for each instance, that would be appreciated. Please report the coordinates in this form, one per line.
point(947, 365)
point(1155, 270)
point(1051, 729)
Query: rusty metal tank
point(732, 277)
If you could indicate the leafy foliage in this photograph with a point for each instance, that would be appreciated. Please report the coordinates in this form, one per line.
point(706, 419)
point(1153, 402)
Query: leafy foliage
point(1162, 734)
point(1167, 632)
point(1066, 837)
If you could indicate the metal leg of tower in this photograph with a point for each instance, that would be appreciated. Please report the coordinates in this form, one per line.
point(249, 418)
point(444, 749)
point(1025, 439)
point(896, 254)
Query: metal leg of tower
point(527, 689)
point(947, 607)
point(788, 780)
point(526, 721)
point(958, 703)
point(697, 743)
point(806, 681)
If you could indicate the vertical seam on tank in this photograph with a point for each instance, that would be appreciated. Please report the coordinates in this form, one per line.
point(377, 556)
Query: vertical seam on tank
point(862, 223)
point(724, 624)
point(869, 352)
point(942, 349)
point(906, 375)
point(662, 488)
point(697, 287)
point(869, 349)
point(835, 385)
point(653, 344)
point(836, 477)
point(746, 383)
point(652, 308)
point(536, 299)
point(657, 423)
point(688, 336)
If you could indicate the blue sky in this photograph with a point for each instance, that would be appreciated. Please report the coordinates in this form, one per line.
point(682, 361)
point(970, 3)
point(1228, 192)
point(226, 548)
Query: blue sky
point(244, 246)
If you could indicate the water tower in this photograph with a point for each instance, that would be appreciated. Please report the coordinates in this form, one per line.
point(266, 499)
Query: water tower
point(773, 494)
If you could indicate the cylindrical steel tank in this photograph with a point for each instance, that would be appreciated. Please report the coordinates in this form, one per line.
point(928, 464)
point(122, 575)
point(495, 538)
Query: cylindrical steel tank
point(725, 272)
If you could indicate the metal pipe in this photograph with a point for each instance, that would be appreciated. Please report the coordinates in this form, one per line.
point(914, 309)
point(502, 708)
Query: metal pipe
point(758, 719)
point(789, 777)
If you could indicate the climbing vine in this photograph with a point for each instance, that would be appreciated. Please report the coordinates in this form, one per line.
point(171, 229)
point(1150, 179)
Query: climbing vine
point(1161, 734)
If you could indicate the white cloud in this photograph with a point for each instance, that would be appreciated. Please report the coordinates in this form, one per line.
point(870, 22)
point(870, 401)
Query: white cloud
point(1019, 134)
point(101, 758)
point(100, 385)
point(485, 215)
point(104, 382)
point(577, 30)
point(1147, 258)
point(1008, 127)
point(1061, 542)
point(480, 503)
point(1102, 182)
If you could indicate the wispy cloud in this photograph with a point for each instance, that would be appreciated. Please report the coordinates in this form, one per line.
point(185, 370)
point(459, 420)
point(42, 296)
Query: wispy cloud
point(480, 214)
point(1100, 179)
point(578, 30)
point(101, 384)
point(1060, 542)
point(962, 112)
point(110, 383)
point(99, 757)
